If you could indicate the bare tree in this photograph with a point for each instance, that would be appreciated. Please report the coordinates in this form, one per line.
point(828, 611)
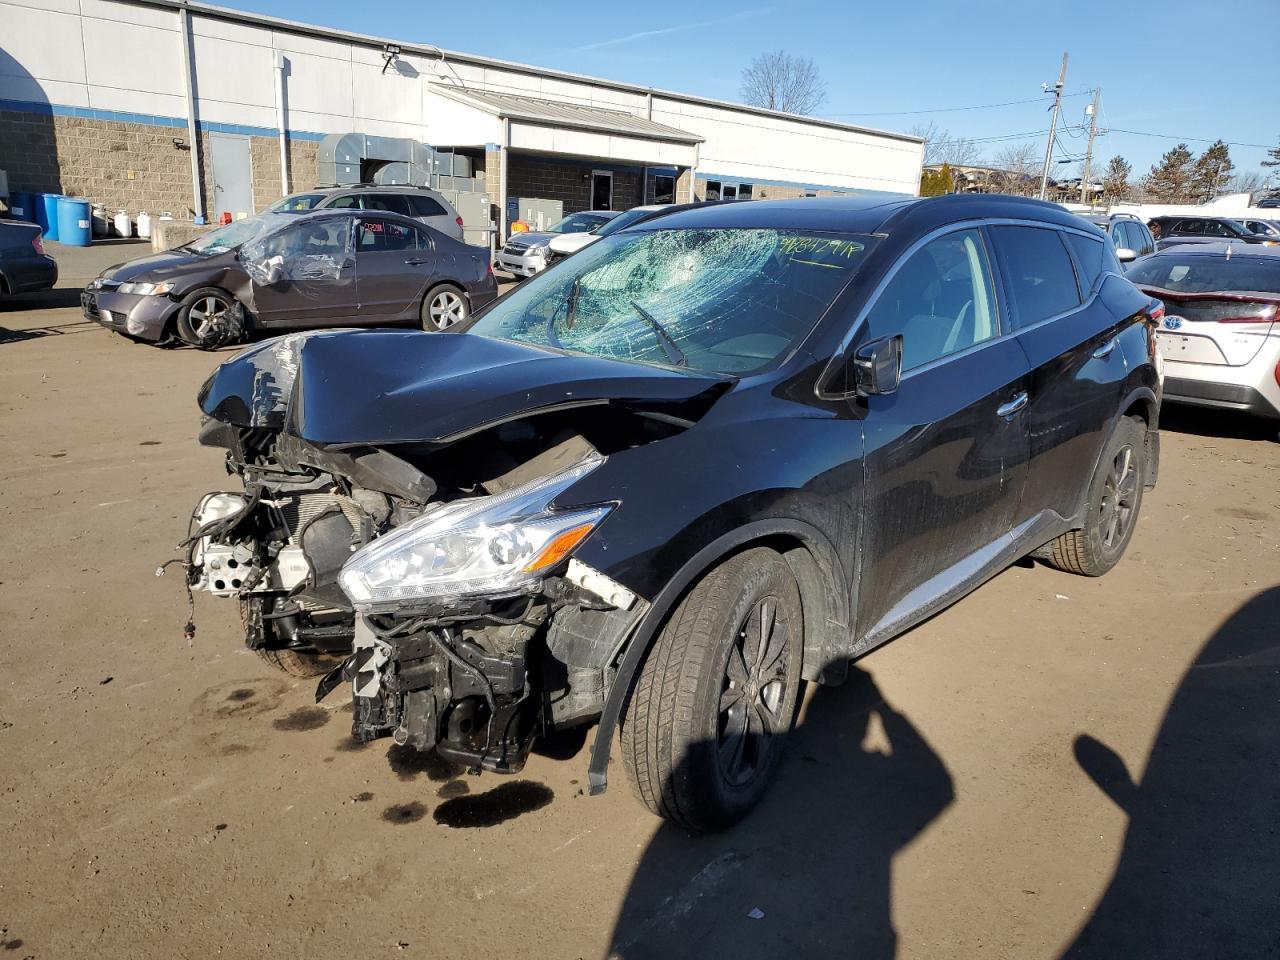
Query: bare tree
point(941, 147)
point(1246, 183)
point(780, 81)
point(1014, 171)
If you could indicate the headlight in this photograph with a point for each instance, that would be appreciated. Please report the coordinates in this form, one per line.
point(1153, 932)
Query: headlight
point(95, 284)
point(542, 252)
point(500, 544)
point(145, 289)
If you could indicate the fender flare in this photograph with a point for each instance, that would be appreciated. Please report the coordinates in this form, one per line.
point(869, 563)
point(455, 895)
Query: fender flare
point(816, 544)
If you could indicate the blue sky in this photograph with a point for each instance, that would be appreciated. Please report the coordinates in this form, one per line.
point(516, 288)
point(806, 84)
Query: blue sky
point(1181, 67)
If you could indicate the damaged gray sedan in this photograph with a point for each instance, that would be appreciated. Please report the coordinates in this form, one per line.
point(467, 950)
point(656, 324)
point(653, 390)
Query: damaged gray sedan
point(659, 486)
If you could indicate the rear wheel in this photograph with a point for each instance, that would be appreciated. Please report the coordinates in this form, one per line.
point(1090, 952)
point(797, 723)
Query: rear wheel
point(711, 710)
point(210, 318)
point(1111, 510)
point(298, 664)
point(442, 307)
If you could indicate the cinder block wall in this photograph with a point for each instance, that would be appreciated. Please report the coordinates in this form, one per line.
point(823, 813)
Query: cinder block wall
point(132, 166)
point(570, 183)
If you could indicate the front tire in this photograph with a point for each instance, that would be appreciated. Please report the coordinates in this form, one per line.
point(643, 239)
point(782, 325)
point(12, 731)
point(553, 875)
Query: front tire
point(711, 710)
point(298, 664)
point(210, 318)
point(442, 307)
point(1111, 508)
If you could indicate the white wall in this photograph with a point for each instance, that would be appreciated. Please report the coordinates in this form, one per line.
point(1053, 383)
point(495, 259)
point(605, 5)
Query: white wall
point(111, 55)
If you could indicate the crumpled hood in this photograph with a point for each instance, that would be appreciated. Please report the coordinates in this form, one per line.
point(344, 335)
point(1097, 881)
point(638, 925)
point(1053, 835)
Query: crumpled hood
point(386, 387)
point(531, 239)
point(157, 266)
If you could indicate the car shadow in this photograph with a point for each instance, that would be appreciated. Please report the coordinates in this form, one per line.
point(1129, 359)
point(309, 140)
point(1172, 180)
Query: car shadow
point(1202, 422)
point(1199, 872)
point(51, 299)
point(817, 855)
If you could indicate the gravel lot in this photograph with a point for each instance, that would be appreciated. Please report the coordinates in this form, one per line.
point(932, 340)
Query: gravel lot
point(1054, 767)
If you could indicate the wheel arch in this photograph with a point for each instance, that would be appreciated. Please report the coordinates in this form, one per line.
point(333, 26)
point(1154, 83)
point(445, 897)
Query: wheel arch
point(824, 599)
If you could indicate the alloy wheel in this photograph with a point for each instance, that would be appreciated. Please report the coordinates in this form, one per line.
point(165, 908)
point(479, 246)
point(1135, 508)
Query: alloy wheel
point(206, 316)
point(753, 693)
point(1119, 494)
point(446, 309)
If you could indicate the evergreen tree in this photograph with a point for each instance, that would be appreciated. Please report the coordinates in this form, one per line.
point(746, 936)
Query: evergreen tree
point(1212, 173)
point(1115, 182)
point(934, 183)
point(1273, 157)
point(1170, 180)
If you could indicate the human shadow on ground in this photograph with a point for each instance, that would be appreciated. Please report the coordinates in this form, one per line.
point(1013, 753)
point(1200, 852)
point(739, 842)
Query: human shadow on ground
point(815, 858)
point(1199, 872)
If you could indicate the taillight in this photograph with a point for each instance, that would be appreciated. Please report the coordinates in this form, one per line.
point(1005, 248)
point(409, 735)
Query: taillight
point(1155, 311)
point(1278, 374)
point(37, 245)
point(458, 221)
point(490, 269)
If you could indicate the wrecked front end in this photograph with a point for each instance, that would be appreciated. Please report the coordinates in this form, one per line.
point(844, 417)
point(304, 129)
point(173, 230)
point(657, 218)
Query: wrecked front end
point(430, 563)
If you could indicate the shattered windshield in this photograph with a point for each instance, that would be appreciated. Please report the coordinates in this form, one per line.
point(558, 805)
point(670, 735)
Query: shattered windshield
point(229, 237)
point(722, 300)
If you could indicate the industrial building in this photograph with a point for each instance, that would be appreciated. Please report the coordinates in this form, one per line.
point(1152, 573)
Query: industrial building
point(195, 110)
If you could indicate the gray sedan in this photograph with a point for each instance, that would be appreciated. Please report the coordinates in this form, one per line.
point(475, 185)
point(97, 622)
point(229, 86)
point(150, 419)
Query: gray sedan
point(24, 266)
point(284, 271)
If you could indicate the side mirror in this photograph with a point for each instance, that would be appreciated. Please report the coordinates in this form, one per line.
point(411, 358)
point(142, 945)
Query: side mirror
point(1126, 255)
point(877, 366)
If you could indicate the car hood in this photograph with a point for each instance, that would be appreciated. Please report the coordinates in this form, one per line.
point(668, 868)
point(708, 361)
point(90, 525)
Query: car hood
point(572, 242)
point(159, 266)
point(387, 387)
point(529, 239)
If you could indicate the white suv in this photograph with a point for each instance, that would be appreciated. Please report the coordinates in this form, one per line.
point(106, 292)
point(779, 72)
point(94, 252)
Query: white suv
point(1219, 337)
point(421, 203)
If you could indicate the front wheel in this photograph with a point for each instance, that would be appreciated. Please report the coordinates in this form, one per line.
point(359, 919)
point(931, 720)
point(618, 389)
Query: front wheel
point(716, 697)
point(442, 307)
point(1111, 507)
point(210, 318)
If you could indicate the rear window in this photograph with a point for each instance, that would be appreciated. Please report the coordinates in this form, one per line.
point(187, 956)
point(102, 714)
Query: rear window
point(1038, 271)
point(1089, 253)
point(1197, 273)
point(425, 207)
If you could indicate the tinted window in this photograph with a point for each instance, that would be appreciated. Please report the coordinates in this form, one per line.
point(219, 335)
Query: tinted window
point(940, 300)
point(347, 201)
point(298, 202)
point(395, 202)
point(1190, 227)
point(1198, 273)
point(1038, 272)
point(1216, 228)
point(664, 189)
point(423, 206)
point(373, 236)
point(1089, 255)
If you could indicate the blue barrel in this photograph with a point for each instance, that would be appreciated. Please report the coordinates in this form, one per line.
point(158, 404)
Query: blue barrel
point(22, 205)
point(47, 214)
point(75, 222)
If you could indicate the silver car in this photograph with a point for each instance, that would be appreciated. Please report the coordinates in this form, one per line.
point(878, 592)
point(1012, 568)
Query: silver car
point(528, 253)
point(422, 203)
point(1219, 337)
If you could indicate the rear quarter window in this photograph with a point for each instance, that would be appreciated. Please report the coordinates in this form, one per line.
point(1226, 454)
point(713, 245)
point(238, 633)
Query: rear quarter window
point(1090, 255)
point(1037, 272)
point(425, 207)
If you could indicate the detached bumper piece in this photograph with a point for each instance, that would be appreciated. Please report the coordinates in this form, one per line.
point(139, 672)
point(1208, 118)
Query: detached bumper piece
point(464, 690)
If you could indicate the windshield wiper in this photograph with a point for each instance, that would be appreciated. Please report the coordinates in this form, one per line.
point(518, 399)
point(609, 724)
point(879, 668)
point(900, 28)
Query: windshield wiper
point(673, 352)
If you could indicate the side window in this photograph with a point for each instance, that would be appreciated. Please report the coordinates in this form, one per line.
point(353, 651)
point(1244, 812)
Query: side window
point(941, 300)
point(422, 206)
point(1148, 241)
point(1089, 254)
point(1129, 236)
point(1038, 271)
point(1190, 228)
point(395, 202)
point(346, 202)
point(378, 236)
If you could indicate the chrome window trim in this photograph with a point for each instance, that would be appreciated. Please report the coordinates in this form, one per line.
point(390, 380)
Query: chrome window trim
point(996, 275)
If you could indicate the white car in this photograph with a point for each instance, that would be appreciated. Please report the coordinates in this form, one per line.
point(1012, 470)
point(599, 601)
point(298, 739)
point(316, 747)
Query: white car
point(568, 243)
point(528, 252)
point(1219, 337)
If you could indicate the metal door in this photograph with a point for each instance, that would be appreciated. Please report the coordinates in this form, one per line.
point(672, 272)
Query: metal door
point(232, 175)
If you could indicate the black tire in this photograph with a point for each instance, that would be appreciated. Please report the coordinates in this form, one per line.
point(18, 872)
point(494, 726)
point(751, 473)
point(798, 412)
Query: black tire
point(679, 739)
point(442, 307)
point(210, 318)
point(298, 664)
point(1111, 507)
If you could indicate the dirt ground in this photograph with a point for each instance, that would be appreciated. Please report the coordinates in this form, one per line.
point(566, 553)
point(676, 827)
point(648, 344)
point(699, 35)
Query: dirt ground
point(1054, 767)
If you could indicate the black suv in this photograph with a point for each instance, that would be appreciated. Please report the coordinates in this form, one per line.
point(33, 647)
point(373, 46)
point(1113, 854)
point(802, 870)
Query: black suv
point(660, 484)
point(1174, 230)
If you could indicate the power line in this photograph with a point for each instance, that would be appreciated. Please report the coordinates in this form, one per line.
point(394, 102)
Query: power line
point(979, 106)
point(1170, 136)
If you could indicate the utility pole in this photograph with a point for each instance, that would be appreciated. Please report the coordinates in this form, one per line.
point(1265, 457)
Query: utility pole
point(1092, 111)
point(1053, 126)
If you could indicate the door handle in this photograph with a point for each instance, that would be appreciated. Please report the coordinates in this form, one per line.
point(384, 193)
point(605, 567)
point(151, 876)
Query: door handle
point(1105, 349)
point(415, 262)
point(1013, 406)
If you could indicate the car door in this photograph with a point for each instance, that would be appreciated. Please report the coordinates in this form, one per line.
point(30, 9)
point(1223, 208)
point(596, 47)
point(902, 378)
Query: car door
point(946, 454)
point(1070, 337)
point(304, 275)
point(396, 262)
